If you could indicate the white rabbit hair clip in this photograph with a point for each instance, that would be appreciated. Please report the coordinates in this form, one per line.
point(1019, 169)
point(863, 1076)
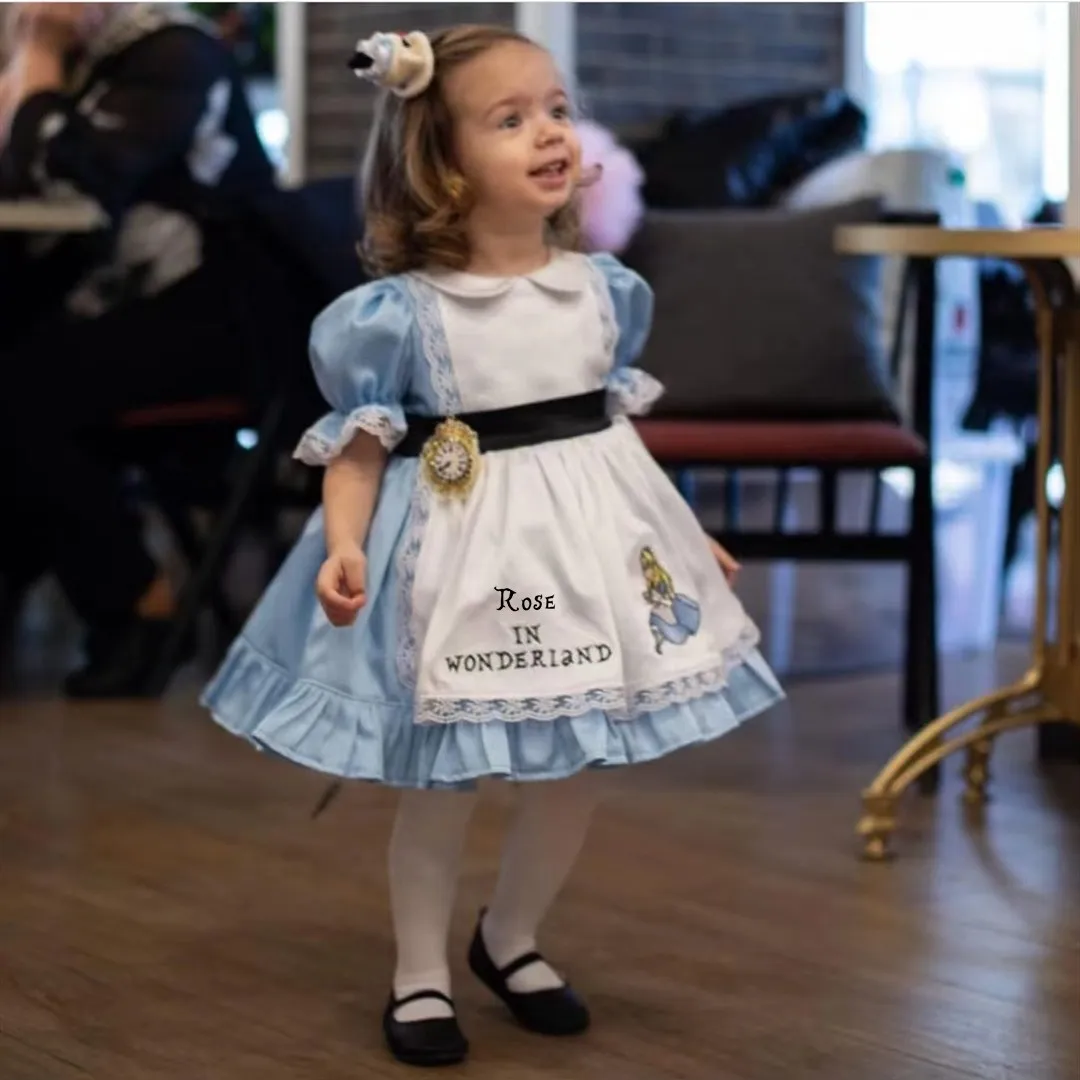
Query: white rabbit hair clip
point(403, 63)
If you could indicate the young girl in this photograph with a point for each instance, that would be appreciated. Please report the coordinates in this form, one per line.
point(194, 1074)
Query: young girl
point(501, 581)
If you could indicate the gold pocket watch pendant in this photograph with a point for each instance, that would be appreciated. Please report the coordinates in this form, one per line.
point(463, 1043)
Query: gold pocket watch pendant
point(450, 459)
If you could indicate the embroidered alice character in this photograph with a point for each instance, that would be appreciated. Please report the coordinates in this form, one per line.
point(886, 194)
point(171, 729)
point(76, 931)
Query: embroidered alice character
point(480, 387)
point(675, 617)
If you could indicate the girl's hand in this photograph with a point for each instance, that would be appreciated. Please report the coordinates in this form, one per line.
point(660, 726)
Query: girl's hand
point(727, 563)
point(340, 585)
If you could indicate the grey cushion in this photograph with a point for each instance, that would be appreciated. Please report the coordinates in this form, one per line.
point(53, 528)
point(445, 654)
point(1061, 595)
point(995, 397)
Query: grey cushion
point(757, 317)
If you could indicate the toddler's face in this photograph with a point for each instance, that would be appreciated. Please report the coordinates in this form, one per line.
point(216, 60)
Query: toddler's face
point(514, 138)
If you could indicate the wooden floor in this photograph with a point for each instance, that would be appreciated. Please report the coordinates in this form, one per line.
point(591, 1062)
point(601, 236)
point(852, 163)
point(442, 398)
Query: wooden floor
point(168, 912)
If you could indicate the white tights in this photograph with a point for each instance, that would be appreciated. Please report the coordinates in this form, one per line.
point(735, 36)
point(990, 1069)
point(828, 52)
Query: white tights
point(542, 844)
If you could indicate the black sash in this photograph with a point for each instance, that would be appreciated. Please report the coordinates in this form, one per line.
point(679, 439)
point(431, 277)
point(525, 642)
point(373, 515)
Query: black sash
point(519, 425)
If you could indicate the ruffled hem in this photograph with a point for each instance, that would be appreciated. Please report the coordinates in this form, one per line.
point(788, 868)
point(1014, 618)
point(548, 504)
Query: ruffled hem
point(329, 436)
point(634, 391)
point(377, 741)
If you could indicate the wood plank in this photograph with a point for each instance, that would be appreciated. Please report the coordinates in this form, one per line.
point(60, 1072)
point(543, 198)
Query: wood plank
point(23, 1062)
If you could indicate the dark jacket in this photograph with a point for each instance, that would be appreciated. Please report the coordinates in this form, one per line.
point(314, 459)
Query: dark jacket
point(156, 128)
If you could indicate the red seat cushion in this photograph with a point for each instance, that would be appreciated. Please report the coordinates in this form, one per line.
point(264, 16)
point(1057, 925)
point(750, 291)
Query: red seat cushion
point(210, 411)
point(746, 442)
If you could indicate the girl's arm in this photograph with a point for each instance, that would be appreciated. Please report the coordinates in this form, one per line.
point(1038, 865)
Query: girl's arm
point(360, 351)
point(350, 489)
point(727, 561)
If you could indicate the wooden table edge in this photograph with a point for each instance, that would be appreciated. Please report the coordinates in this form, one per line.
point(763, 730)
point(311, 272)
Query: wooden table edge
point(45, 215)
point(930, 241)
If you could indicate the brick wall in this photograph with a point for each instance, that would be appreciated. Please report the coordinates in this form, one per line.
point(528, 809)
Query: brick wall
point(338, 109)
point(638, 62)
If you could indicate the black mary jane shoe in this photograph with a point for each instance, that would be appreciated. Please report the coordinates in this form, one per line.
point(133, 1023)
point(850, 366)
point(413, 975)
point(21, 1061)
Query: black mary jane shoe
point(427, 1043)
point(558, 1011)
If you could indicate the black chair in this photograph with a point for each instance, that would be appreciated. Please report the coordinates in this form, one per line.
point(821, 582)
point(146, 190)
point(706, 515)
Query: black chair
point(192, 456)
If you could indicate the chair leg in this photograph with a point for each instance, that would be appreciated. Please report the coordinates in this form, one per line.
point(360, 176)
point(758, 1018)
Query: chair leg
point(191, 547)
point(921, 692)
point(921, 672)
point(217, 547)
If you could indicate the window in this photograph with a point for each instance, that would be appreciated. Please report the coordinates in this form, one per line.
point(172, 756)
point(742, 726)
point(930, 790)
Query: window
point(988, 81)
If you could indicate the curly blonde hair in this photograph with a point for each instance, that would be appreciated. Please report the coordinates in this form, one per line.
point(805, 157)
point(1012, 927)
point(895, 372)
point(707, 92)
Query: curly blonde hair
point(412, 196)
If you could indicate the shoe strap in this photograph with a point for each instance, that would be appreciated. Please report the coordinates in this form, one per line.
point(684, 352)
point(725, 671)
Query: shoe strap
point(423, 995)
point(520, 963)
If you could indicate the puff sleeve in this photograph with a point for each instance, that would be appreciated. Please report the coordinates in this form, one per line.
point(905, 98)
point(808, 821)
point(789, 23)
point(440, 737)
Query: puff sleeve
point(632, 390)
point(359, 354)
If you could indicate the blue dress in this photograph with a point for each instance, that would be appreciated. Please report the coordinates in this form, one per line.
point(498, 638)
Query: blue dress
point(567, 614)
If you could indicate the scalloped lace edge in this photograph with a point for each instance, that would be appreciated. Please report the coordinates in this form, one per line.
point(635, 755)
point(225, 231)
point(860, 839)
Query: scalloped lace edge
point(316, 449)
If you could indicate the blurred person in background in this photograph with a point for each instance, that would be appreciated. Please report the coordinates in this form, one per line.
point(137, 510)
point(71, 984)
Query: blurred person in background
point(140, 108)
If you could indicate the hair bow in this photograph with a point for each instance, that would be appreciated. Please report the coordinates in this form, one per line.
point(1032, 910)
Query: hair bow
point(403, 63)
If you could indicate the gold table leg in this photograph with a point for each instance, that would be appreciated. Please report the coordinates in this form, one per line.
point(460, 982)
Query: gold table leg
point(1050, 690)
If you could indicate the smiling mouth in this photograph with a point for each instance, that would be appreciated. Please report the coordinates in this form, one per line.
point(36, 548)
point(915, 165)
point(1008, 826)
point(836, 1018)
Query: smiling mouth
point(554, 168)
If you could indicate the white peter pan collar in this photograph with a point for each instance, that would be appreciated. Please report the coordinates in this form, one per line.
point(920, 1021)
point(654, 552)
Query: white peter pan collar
point(567, 273)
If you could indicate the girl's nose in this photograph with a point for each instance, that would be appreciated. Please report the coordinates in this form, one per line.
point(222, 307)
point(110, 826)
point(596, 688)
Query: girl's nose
point(549, 134)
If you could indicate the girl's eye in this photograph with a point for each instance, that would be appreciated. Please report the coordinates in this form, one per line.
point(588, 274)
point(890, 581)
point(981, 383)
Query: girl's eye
point(561, 112)
point(511, 121)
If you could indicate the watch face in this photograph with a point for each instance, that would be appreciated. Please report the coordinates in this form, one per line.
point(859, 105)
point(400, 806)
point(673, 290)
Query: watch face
point(450, 462)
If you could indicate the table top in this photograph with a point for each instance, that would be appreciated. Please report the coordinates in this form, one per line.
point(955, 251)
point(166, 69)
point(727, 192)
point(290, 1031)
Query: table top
point(1043, 242)
point(50, 215)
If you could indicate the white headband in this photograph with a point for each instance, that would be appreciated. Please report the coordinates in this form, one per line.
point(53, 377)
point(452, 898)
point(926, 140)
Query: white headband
point(403, 63)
